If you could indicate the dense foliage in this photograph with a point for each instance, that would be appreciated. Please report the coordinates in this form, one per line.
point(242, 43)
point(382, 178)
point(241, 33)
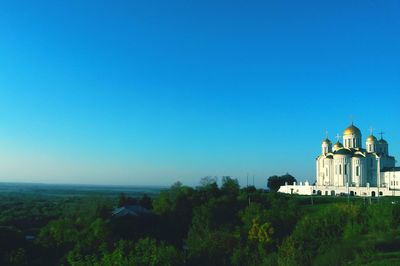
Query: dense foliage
point(275, 182)
point(206, 225)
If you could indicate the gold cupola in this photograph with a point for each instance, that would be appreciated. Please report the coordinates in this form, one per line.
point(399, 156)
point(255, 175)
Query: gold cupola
point(352, 130)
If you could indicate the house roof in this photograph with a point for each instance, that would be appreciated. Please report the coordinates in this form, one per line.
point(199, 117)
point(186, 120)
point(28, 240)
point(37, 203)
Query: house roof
point(130, 210)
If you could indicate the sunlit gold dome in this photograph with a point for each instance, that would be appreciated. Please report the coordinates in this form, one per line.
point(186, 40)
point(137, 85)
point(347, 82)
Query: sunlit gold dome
point(371, 138)
point(338, 145)
point(352, 130)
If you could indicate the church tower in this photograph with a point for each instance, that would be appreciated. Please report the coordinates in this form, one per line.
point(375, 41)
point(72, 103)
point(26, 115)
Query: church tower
point(383, 147)
point(326, 146)
point(371, 144)
point(352, 137)
point(337, 146)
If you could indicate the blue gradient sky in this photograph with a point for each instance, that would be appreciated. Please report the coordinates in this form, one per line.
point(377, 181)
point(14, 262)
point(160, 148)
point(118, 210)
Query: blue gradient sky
point(150, 92)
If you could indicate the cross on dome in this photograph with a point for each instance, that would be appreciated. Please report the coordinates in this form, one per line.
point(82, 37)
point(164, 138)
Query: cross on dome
point(351, 119)
point(371, 131)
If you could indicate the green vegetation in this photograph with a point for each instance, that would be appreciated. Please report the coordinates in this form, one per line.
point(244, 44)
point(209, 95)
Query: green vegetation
point(275, 182)
point(206, 225)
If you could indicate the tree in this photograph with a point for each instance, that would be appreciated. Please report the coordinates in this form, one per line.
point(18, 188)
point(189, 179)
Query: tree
point(18, 257)
point(124, 200)
point(146, 202)
point(261, 233)
point(230, 186)
point(208, 189)
point(148, 252)
point(208, 181)
point(275, 182)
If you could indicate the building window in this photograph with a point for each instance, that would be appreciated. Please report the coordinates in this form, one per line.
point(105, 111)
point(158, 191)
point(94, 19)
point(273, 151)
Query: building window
point(357, 170)
point(340, 169)
point(354, 142)
point(345, 169)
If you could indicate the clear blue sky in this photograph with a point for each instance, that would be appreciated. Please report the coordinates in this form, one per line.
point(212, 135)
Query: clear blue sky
point(151, 92)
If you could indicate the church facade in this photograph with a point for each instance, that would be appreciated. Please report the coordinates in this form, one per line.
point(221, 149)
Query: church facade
point(349, 164)
point(348, 167)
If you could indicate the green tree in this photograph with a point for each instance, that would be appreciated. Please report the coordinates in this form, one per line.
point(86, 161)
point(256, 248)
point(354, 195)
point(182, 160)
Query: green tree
point(61, 233)
point(275, 182)
point(315, 232)
point(18, 257)
point(210, 240)
point(230, 186)
point(261, 233)
point(147, 252)
point(146, 202)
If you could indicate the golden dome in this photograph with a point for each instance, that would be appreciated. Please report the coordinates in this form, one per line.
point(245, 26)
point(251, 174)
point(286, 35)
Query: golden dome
point(352, 130)
point(371, 138)
point(338, 145)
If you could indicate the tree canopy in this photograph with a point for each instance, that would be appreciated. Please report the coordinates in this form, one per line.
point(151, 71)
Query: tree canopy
point(275, 182)
point(206, 225)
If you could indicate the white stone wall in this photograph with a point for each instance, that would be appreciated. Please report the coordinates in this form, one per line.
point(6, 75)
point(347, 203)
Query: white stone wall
point(391, 179)
point(300, 189)
point(366, 191)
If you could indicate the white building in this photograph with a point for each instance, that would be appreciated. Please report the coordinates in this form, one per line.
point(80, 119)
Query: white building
point(349, 168)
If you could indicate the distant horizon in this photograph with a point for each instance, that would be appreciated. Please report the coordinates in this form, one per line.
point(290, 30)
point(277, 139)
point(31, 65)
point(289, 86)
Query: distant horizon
point(118, 185)
point(156, 92)
point(83, 184)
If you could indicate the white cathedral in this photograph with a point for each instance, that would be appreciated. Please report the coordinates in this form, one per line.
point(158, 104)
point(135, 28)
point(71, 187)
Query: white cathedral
point(349, 168)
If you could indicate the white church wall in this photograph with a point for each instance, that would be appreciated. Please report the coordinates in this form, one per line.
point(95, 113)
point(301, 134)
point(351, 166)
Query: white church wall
point(392, 179)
